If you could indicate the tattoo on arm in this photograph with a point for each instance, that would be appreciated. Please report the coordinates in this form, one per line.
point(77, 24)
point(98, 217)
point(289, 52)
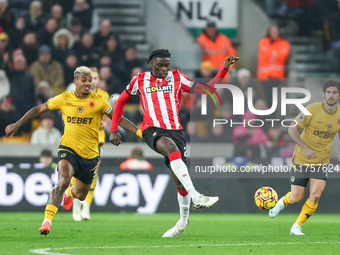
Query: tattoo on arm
point(30, 115)
point(128, 125)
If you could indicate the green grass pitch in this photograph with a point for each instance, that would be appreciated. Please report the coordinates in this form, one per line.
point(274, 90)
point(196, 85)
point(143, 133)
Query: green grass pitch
point(130, 233)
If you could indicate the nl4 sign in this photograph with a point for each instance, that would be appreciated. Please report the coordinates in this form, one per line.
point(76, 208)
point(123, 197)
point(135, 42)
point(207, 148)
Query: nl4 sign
point(195, 13)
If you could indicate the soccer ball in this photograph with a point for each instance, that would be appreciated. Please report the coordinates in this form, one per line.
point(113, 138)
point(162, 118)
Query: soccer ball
point(266, 198)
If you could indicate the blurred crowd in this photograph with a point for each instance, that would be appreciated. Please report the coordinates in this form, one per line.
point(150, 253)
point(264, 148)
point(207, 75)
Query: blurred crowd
point(42, 42)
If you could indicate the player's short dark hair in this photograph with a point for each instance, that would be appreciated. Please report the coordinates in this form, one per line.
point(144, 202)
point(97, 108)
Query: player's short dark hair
point(46, 153)
point(331, 83)
point(160, 53)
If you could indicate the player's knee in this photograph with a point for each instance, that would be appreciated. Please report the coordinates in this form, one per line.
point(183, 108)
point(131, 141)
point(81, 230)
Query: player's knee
point(64, 183)
point(296, 198)
point(81, 195)
point(314, 197)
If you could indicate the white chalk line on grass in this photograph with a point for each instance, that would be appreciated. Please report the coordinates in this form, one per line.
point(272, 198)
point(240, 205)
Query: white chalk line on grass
point(48, 251)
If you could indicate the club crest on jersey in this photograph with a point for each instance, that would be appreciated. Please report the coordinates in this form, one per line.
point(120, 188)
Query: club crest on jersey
point(329, 126)
point(164, 89)
point(339, 121)
point(80, 109)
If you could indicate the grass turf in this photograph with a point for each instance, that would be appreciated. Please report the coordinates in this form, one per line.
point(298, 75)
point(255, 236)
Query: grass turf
point(116, 233)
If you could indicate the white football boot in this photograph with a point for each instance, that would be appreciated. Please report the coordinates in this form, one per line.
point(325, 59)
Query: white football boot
point(202, 201)
point(296, 230)
point(177, 230)
point(85, 212)
point(277, 208)
point(76, 210)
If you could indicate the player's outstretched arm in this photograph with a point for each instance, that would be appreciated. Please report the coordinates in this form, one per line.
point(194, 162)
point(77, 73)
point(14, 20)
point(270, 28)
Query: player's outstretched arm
point(200, 88)
point(293, 131)
point(126, 124)
point(30, 115)
point(115, 137)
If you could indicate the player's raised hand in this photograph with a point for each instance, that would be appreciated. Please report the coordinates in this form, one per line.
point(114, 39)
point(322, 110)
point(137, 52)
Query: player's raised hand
point(309, 153)
point(11, 129)
point(229, 61)
point(115, 138)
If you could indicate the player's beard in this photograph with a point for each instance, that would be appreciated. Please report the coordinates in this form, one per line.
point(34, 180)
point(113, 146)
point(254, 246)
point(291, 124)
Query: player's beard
point(331, 104)
point(86, 94)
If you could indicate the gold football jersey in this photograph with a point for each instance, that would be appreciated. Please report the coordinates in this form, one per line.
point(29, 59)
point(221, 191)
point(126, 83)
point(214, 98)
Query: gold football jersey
point(319, 130)
point(101, 133)
point(82, 118)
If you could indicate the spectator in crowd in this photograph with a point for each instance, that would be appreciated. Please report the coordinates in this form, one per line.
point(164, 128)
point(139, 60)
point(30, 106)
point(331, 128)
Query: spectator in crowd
point(47, 134)
point(8, 115)
point(103, 34)
point(69, 5)
point(76, 29)
point(62, 44)
point(126, 63)
point(276, 141)
point(46, 159)
point(47, 69)
point(30, 47)
point(192, 135)
point(82, 11)
point(17, 33)
point(136, 161)
point(273, 52)
point(111, 47)
point(330, 11)
point(105, 60)
point(253, 137)
point(22, 85)
point(45, 34)
point(113, 83)
point(6, 16)
point(301, 12)
point(57, 14)
point(70, 64)
point(35, 19)
point(5, 48)
point(88, 55)
point(214, 45)
point(44, 92)
point(206, 70)
point(103, 86)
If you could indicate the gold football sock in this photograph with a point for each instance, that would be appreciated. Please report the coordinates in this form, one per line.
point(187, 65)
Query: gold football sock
point(286, 200)
point(73, 181)
point(69, 192)
point(50, 212)
point(307, 210)
point(89, 197)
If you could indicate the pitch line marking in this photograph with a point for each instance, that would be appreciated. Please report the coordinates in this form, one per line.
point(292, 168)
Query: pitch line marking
point(48, 250)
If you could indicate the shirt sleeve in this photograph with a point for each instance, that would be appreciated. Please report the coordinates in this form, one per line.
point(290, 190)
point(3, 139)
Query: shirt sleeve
point(185, 81)
point(107, 106)
point(54, 103)
point(303, 120)
point(132, 88)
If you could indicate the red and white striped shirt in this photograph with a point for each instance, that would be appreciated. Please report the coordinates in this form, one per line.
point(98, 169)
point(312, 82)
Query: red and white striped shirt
point(160, 98)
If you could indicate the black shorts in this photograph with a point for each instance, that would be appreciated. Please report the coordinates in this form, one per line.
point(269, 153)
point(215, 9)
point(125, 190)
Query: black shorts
point(151, 135)
point(300, 175)
point(84, 169)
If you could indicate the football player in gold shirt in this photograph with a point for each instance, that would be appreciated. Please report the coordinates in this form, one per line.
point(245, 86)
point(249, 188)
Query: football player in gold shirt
point(78, 153)
point(79, 213)
point(311, 156)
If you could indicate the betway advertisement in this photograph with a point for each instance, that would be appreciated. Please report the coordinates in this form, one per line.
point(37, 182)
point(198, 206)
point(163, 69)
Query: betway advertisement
point(24, 186)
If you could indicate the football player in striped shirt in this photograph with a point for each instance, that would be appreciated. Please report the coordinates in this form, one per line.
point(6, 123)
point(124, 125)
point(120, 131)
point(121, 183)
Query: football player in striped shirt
point(160, 95)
